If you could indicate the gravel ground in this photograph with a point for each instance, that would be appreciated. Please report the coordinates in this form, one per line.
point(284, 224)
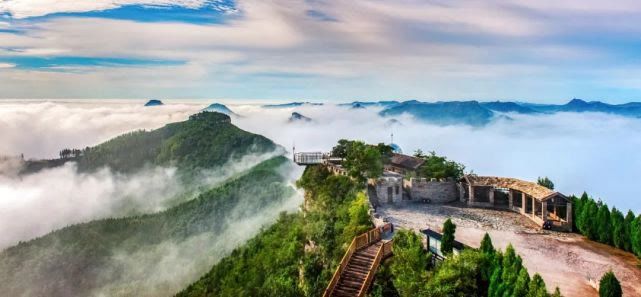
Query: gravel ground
point(563, 259)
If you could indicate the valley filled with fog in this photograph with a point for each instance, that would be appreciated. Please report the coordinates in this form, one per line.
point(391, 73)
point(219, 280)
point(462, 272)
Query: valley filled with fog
point(593, 152)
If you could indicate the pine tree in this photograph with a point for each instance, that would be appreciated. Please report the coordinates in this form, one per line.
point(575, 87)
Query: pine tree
point(495, 283)
point(576, 209)
point(589, 223)
point(486, 245)
point(511, 266)
point(557, 293)
point(447, 241)
point(603, 229)
point(635, 235)
point(521, 287)
point(618, 228)
point(537, 287)
point(627, 231)
point(609, 286)
point(546, 182)
point(581, 215)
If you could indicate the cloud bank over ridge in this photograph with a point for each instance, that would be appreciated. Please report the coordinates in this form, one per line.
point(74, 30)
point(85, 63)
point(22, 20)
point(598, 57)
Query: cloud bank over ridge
point(578, 151)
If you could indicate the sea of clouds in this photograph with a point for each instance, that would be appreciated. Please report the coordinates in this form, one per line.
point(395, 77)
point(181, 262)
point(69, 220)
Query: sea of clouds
point(592, 152)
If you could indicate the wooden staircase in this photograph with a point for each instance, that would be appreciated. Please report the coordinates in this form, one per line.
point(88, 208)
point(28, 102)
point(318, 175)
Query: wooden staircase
point(358, 267)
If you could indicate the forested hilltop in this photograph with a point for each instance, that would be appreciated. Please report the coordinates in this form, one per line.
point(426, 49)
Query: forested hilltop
point(155, 254)
point(206, 140)
point(298, 255)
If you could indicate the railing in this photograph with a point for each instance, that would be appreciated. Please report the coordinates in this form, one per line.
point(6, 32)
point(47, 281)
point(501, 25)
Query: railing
point(360, 241)
point(310, 158)
point(384, 251)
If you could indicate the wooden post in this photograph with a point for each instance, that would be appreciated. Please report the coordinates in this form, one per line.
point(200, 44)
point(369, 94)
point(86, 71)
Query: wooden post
point(523, 201)
point(533, 207)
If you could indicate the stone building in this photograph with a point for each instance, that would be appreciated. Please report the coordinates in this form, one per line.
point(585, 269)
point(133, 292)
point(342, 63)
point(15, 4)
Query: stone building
point(389, 188)
point(404, 164)
point(535, 202)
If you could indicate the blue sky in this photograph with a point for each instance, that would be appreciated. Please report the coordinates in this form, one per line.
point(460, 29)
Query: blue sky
point(539, 51)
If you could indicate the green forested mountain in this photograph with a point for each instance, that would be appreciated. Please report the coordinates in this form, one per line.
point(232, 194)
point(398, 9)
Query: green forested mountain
point(73, 261)
point(116, 256)
point(206, 140)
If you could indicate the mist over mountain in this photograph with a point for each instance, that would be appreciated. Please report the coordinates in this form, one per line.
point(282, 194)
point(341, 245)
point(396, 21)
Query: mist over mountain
point(291, 104)
point(133, 254)
point(443, 113)
point(297, 117)
point(217, 107)
point(632, 109)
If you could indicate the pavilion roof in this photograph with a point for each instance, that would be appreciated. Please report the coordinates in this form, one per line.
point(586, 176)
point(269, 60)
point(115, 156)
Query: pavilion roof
point(533, 189)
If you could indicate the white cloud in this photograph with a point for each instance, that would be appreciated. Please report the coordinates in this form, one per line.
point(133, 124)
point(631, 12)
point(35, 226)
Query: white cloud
point(593, 152)
point(596, 153)
point(401, 48)
point(7, 65)
point(35, 204)
point(32, 8)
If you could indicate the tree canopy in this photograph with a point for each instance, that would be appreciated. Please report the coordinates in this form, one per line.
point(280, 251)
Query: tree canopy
point(546, 182)
point(447, 241)
point(438, 166)
point(595, 220)
point(362, 160)
point(609, 285)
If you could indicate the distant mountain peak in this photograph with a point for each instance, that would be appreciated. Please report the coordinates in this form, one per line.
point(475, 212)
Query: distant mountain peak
point(217, 107)
point(154, 102)
point(297, 117)
point(577, 102)
point(291, 104)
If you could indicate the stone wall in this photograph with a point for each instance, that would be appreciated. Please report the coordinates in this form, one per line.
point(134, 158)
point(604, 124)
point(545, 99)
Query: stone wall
point(437, 191)
point(389, 189)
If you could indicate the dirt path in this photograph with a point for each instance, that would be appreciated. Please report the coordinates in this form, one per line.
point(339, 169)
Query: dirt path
point(564, 260)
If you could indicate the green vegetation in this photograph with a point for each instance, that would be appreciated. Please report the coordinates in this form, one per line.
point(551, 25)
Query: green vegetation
point(609, 286)
point(336, 211)
point(546, 182)
point(361, 160)
point(447, 241)
point(207, 139)
point(597, 222)
point(438, 166)
point(410, 263)
point(82, 259)
point(482, 272)
point(265, 266)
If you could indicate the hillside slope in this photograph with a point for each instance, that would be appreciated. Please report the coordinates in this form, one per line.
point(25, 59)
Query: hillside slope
point(206, 140)
point(86, 259)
